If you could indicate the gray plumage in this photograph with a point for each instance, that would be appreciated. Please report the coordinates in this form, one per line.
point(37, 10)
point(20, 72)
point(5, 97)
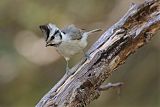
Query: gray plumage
point(73, 32)
point(67, 41)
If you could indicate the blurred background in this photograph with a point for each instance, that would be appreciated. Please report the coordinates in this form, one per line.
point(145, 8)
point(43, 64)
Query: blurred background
point(28, 69)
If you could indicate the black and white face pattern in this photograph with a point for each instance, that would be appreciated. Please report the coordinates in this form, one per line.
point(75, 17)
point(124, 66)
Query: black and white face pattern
point(52, 35)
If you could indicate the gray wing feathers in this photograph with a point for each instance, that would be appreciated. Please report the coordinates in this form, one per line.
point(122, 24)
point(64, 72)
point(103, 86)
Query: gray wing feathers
point(73, 32)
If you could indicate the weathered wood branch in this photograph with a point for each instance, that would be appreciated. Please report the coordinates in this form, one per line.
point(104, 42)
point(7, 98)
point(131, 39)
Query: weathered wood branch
point(132, 31)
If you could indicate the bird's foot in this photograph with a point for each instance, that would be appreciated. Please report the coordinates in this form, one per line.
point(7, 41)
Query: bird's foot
point(87, 56)
point(68, 71)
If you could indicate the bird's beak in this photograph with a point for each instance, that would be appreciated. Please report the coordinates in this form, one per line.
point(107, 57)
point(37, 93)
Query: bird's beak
point(47, 44)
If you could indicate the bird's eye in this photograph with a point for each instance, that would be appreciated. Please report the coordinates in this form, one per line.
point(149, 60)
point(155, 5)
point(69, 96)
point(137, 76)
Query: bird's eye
point(52, 37)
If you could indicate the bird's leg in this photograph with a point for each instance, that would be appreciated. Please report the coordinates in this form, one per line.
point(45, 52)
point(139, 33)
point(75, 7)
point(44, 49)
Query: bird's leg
point(67, 65)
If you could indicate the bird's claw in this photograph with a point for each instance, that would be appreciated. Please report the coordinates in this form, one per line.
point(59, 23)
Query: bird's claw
point(68, 72)
point(87, 56)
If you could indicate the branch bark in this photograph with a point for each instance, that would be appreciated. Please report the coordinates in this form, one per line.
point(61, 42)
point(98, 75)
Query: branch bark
point(131, 32)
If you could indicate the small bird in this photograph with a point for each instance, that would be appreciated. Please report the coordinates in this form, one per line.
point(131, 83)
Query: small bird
point(68, 41)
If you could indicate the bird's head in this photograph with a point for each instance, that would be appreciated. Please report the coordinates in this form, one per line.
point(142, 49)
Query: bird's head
point(52, 34)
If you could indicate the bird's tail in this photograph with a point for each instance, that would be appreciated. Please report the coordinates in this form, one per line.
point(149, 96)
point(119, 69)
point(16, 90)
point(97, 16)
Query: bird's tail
point(86, 34)
point(93, 31)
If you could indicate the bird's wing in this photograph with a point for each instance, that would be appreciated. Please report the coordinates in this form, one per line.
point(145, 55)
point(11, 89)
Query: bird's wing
point(73, 32)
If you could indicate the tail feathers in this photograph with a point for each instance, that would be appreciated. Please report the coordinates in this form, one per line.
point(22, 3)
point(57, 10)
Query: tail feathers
point(93, 31)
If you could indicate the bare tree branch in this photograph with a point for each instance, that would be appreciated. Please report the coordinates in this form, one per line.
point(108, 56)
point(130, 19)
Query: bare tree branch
point(109, 86)
point(131, 32)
